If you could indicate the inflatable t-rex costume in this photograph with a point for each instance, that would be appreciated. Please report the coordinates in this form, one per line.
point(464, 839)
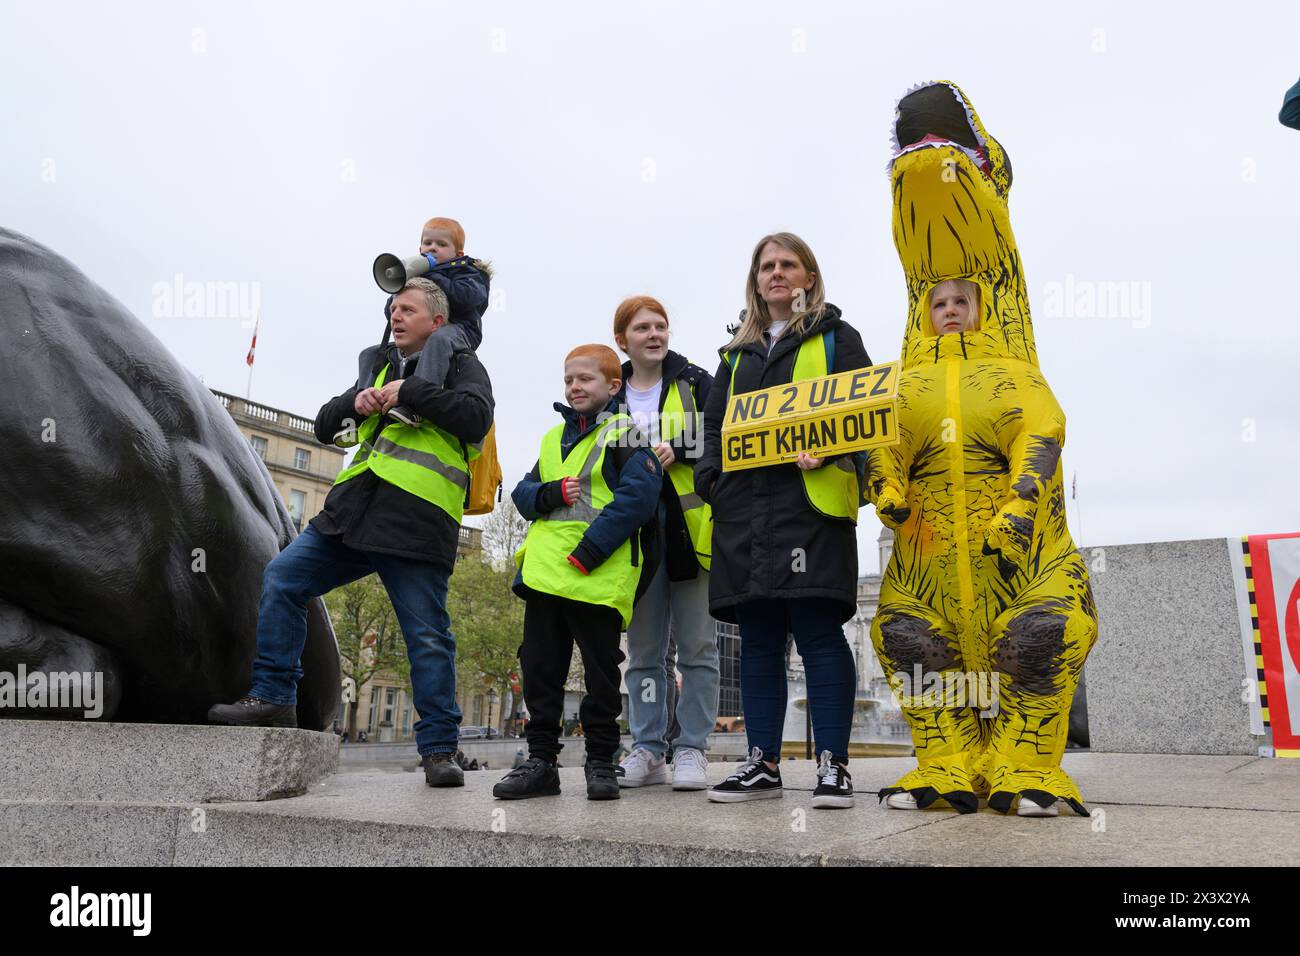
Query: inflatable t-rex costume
point(984, 577)
point(135, 520)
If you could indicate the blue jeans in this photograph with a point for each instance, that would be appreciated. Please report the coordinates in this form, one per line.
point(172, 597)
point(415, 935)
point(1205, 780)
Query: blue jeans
point(672, 610)
point(316, 563)
point(828, 667)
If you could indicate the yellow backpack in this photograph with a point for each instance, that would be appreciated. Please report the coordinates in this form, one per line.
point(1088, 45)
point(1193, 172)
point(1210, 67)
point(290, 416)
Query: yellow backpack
point(484, 477)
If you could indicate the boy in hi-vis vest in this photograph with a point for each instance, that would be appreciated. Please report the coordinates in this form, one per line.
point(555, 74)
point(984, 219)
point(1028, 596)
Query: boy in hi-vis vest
point(589, 497)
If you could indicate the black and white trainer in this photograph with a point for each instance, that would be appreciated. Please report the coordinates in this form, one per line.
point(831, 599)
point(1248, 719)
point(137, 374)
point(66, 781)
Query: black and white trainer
point(834, 785)
point(405, 416)
point(752, 780)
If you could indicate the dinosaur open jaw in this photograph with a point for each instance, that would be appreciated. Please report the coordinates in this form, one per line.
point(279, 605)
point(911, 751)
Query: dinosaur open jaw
point(935, 115)
point(976, 156)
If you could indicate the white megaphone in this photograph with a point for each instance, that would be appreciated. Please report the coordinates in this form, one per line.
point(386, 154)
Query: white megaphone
point(391, 272)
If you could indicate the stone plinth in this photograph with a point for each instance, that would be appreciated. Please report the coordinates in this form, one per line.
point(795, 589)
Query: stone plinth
point(1166, 674)
point(72, 761)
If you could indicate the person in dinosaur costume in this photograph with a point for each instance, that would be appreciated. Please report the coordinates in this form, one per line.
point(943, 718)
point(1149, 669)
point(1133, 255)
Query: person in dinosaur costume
point(984, 578)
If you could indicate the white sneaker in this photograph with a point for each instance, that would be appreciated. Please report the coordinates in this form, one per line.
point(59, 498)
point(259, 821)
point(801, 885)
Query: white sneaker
point(690, 769)
point(901, 801)
point(1028, 808)
point(641, 768)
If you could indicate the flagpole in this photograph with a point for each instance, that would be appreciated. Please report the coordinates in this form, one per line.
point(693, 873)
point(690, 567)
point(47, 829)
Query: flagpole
point(1078, 510)
point(248, 389)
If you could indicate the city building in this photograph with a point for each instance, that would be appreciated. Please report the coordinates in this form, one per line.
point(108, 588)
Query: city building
point(303, 470)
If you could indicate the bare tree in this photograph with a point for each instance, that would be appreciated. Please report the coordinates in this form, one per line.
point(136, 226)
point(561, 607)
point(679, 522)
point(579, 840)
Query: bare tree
point(503, 532)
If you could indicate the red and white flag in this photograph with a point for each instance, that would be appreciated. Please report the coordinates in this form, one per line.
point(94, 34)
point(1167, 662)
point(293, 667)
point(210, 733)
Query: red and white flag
point(252, 348)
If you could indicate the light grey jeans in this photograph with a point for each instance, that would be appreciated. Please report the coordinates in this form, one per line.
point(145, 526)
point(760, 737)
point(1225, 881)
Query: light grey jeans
point(685, 606)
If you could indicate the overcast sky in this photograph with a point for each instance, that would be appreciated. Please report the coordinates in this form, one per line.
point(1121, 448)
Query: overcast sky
point(594, 151)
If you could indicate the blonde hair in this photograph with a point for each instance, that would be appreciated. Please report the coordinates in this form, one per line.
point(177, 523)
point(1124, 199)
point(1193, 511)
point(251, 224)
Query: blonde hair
point(756, 316)
point(972, 291)
point(434, 297)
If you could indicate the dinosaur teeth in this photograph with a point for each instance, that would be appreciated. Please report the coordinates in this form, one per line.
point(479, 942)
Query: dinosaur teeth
point(897, 148)
point(893, 132)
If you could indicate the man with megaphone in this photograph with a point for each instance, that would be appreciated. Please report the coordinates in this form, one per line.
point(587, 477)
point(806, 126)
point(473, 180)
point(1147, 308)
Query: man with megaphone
point(396, 511)
point(464, 281)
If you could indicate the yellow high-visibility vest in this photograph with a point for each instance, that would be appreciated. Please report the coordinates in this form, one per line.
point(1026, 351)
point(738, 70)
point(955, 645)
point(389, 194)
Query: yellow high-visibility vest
point(680, 404)
point(428, 461)
point(543, 559)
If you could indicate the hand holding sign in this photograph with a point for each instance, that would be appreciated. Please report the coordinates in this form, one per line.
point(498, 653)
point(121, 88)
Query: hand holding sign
point(808, 420)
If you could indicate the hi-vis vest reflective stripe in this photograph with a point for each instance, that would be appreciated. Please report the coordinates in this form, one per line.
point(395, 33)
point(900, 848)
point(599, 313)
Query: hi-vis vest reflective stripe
point(544, 557)
point(833, 489)
point(680, 405)
point(427, 461)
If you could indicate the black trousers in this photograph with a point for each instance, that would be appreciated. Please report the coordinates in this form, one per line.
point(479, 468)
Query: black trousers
point(552, 625)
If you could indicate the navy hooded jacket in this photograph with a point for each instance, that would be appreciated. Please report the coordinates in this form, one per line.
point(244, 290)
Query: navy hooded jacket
point(1290, 113)
point(467, 285)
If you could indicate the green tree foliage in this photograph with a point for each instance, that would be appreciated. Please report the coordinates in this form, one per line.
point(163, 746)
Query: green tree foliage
point(370, 641)
point(503, 532)
point(488, 621)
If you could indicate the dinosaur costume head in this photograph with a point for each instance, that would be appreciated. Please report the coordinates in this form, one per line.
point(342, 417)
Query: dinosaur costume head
point(950, 182)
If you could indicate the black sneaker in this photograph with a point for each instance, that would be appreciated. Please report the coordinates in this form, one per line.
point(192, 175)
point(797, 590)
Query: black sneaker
point(535, 777)
point(834, 785)
point(752, 780)
point(251, 712)
point(440, 770)
point(405, 416)
point(602, 781)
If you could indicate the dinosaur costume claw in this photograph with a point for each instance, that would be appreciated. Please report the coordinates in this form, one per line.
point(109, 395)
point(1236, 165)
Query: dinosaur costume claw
point(984, 580)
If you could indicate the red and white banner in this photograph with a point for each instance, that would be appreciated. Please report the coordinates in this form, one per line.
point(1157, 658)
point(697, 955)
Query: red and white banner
point(1271, 565)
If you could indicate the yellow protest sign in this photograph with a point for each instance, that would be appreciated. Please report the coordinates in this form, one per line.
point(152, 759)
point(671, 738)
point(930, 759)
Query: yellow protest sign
point(830, 415)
